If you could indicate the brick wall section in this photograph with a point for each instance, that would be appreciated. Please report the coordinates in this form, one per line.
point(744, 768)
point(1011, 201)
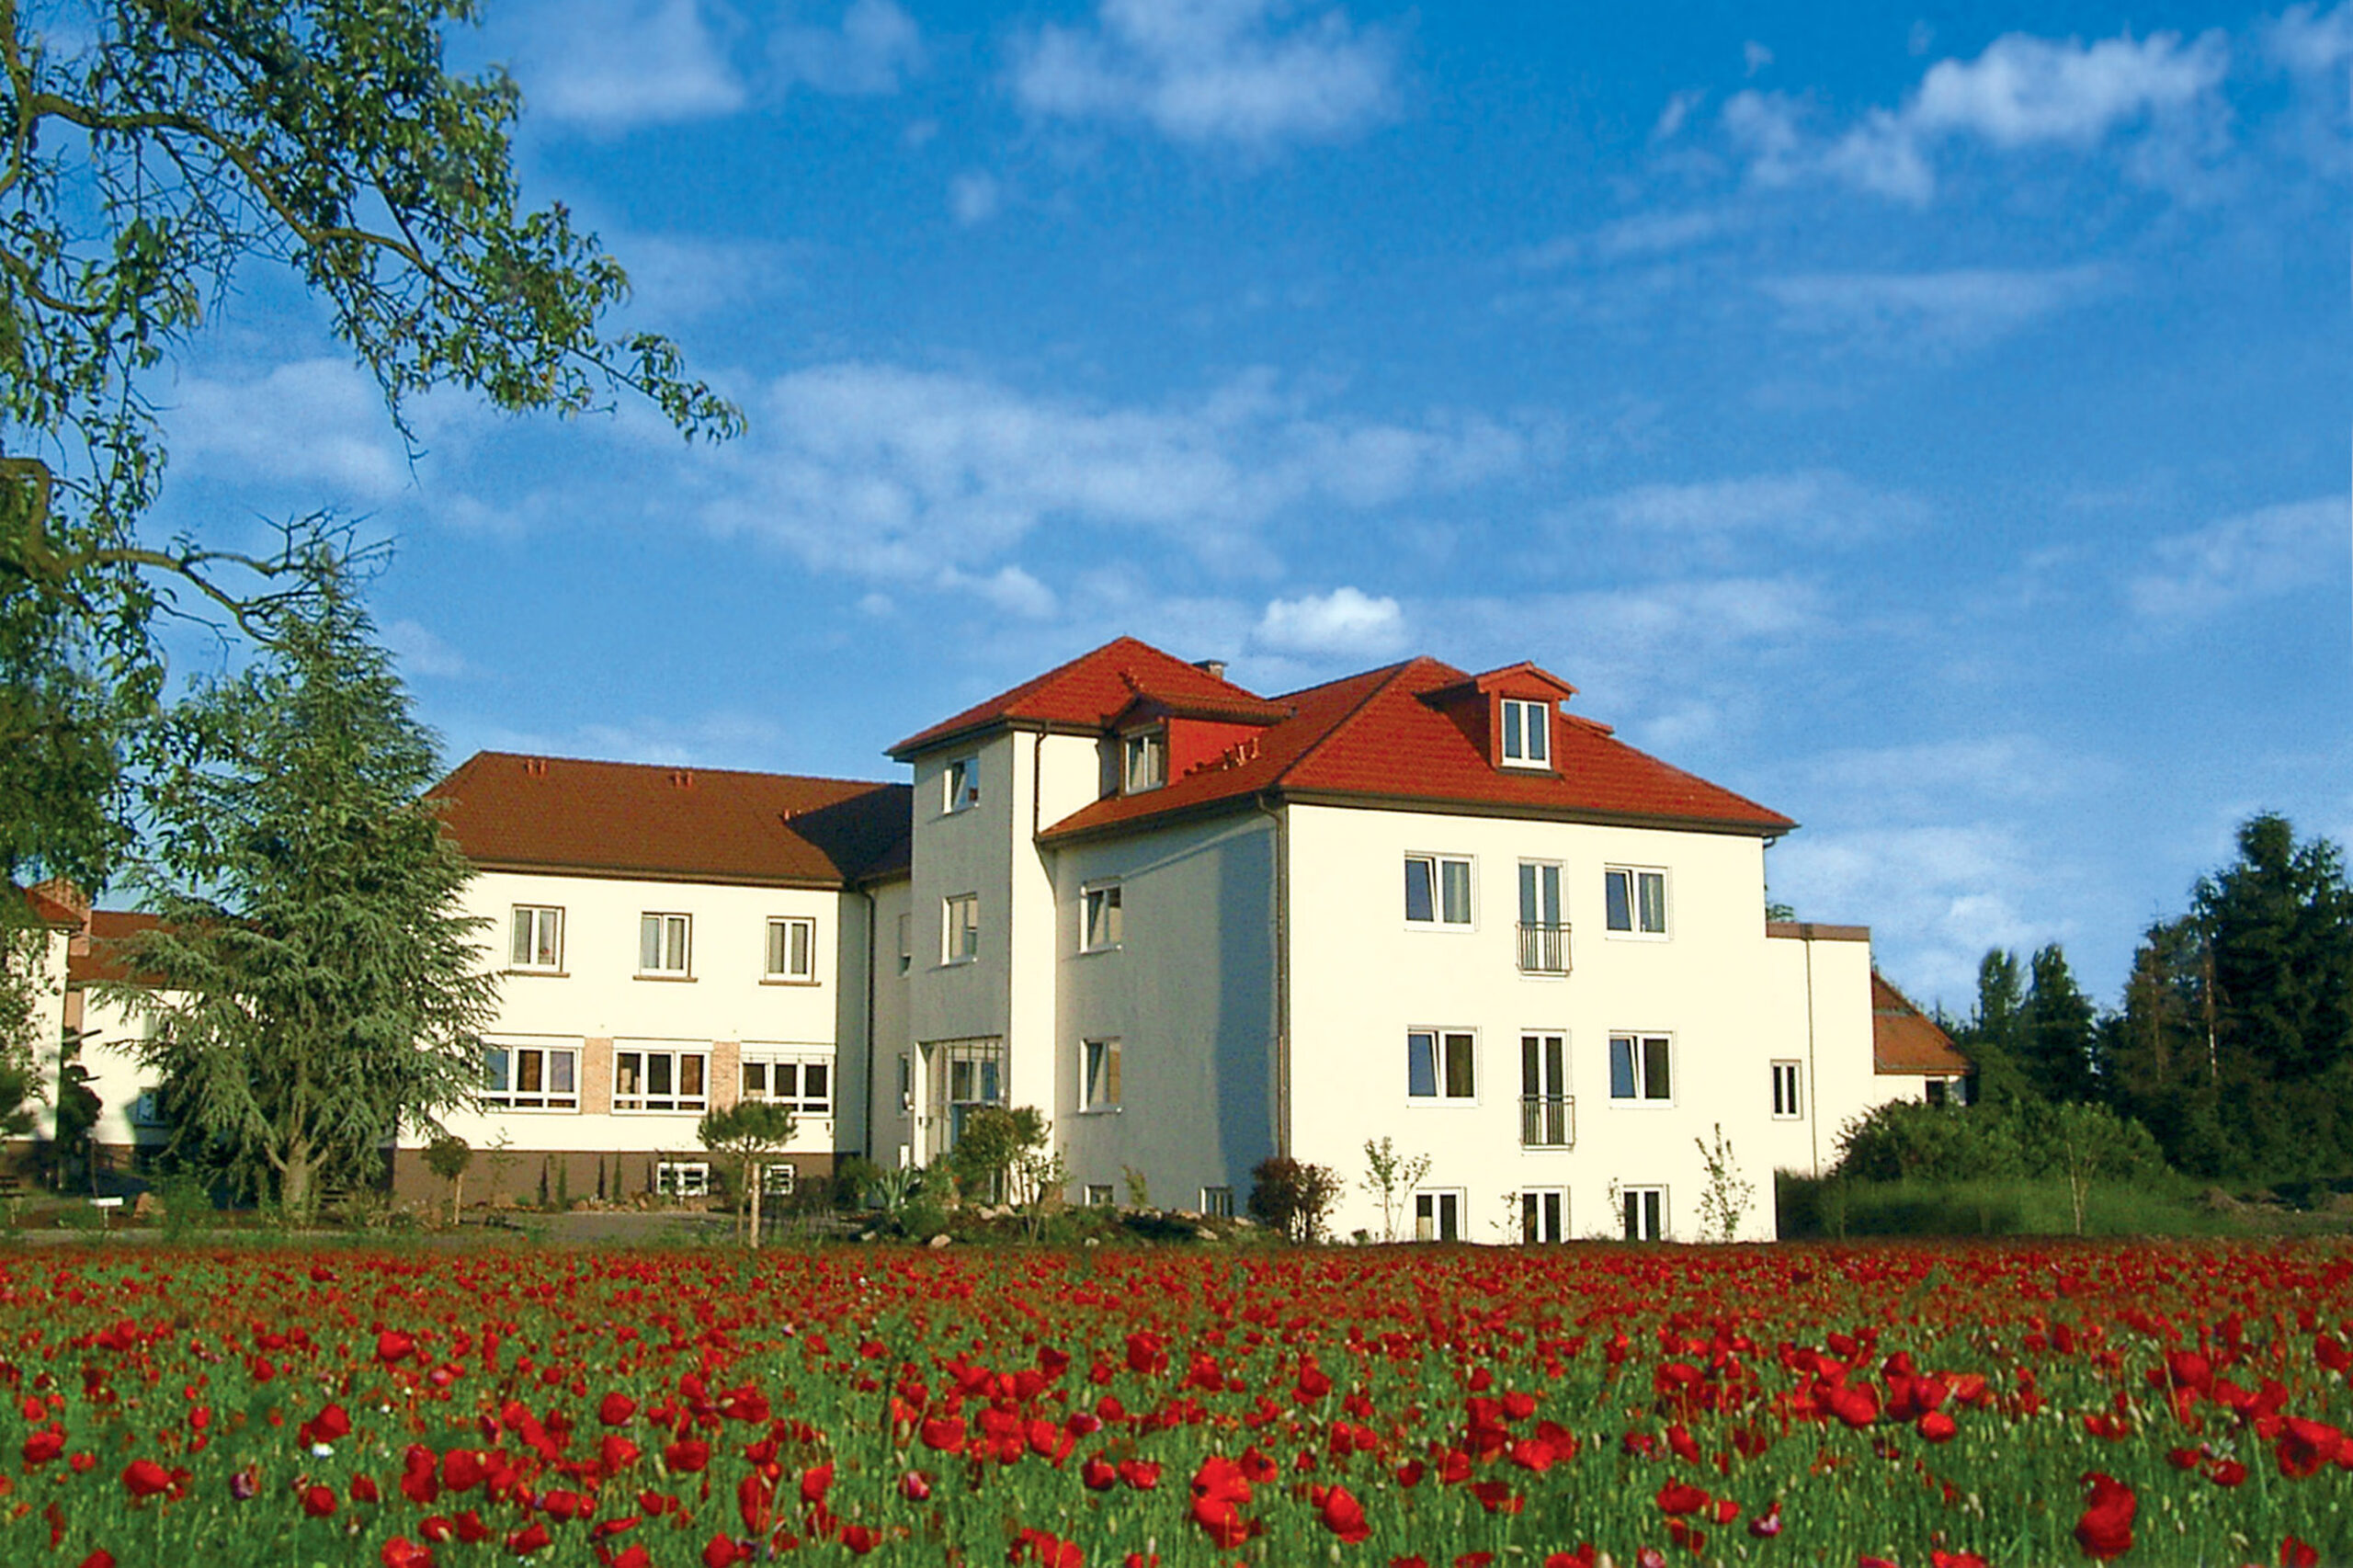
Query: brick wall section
point(726, 1084)
point(596, 1077)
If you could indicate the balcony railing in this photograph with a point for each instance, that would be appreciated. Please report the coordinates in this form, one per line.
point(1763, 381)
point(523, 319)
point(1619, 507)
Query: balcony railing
point(1544, 949)
point(1548, 1121)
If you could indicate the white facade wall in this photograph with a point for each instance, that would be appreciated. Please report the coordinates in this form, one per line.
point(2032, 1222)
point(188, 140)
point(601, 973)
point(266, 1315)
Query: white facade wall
point(1362, 976)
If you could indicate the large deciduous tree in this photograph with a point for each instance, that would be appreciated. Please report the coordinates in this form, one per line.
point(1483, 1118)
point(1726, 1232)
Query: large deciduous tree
point(152, 151)
point(314, 980)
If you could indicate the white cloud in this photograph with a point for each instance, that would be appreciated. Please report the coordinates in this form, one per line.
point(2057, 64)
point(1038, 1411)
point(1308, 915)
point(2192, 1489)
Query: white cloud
point(972, 198)
point(899, 474)
point(876, 44)
point(1677, 112)
point(1755, 56)
point(1344, 621)
point(2311, 42)
point(1010, 589)
point(1212, 72)
point(2022, 92)
point(1636, 237)
point(421, 652)
point(611, 64)
point(1938, 895)
point(318, 422)
point(1810, 503)
point(1962, 308)
point(2244, 560)
point(673, 279)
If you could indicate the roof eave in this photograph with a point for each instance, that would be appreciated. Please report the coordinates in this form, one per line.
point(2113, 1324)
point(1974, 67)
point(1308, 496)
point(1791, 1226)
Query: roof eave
point(1277, 795)
point(661, 874)
point(916, 745)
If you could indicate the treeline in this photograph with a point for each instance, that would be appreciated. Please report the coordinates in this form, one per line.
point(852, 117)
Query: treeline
point(2234, 1043)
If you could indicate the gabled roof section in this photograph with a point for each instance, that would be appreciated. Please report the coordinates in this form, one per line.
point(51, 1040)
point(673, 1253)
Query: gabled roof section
point(1376, 739)
point(1522, 679)
point(1904, 1040)
point(97, 955)
point(514, 812)
point(1093, 690)
point(57, 903)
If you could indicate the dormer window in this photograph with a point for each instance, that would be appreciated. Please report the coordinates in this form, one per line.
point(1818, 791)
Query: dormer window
point(1145, 758)
point(1527, 734)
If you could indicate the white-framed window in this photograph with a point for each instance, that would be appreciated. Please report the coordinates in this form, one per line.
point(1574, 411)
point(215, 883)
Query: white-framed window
point(907, 1083)
point(1644, 1213)
point(530, 1077)
point(1543, 1215)
point(1217, 1202)
point(906, 942)
point(1437, 890)
point(1527, 733)
point(660, 1078)
point(147, 1108)
point(1547, 1115)
point(1441, 1066)
point(778, 1177)
point(1101, 923)
point(1437, 1214)
point(1543, 934)
point(664, 944)
point(960, 784)
point(802, 1080)
point(1143, 759)
point(1098, 1195)
point(960, 929)
point(792, 948)
point(1098, 1074)
point(539, 938)
point(1642, 1069)
point(1788, 1103)
point(682, 1179)
point(1633, 900)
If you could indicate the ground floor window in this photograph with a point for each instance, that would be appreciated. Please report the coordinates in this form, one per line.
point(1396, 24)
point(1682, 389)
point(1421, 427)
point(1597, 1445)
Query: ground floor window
point(530, 1077)
point(651, 1079)
point(778, 1179)
point(1098, 1195)
point(1645, 1213)
point(1217, 1202)
point(682, 1179)
point(1544, 1214)
point(804, 1082)
point(1437, 1214)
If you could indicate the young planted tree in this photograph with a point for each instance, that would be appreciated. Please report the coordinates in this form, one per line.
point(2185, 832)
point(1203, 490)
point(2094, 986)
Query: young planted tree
point(1392, 1176)
point(153, 154)
point(448, 1156)
point(752, 1132)
point(314, 979)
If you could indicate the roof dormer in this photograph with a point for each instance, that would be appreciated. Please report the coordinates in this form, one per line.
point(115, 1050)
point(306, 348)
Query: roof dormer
point(1159, 740)
point(1512, 715)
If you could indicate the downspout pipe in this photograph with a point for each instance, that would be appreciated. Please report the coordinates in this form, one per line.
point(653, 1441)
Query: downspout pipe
point(1266, 806)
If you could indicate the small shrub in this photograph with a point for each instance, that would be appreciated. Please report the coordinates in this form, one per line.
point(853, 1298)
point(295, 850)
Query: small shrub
point(1293, 1197)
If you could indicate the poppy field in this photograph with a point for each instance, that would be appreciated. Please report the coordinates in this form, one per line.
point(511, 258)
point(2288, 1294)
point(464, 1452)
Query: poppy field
point(1918, 1405)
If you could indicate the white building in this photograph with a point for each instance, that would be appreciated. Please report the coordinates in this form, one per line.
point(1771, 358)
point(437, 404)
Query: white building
point(1197, 928)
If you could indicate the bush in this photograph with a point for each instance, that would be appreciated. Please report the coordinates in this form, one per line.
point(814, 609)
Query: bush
point(1907, 1141)
point(1293, 1197)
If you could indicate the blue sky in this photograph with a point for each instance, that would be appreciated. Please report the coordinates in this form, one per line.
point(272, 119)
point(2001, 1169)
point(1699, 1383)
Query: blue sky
point(1933, 423)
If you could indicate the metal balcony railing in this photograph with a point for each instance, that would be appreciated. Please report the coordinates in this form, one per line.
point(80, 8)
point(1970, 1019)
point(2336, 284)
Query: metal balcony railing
point(1548, 1121)
point(1544, 949)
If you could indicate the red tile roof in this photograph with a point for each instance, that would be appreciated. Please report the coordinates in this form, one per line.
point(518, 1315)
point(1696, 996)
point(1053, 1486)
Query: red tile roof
point(1904, 1040)
point(513, 812)
point(1375, 739)
point(97, 958)
point(1090, 691)
point(52, 905)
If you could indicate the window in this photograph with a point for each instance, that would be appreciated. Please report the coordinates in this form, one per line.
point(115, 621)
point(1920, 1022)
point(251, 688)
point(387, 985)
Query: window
point(147, 1108)
point(1098, 1195)
point(1547, 1118)
point(1543, 937)
point(792, 948)
point(1098, 1074)
point(1100, 921)
point(1785, 1090)
point(960, 1076)
point(531, 1077)
point(962, 780)
point(1641, 1069)
point(1144, 756)
point(682, 1179)
point(1544, 1215)
point(906, 1083)
point(961, 928)
point(1437, 890)
point(1635, 901)
point(662, 943)
point(1438, 1215)
point(906, 943)
point(778, 1177)
point(539, 938)
point(1527, 733)
point(1645, 1213)
point(647, 1079)
point(1438, 1064)
point(1217, 1202)
point(804, 1082)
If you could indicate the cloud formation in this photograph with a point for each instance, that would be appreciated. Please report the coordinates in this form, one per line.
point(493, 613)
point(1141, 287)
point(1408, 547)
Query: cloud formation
point(1346, 621)
point(2244, 560)
point(1961, 308)
point(2021, 93)
point(320, 423)
point(875, 46)
point(607, 65)
point(1218, 72)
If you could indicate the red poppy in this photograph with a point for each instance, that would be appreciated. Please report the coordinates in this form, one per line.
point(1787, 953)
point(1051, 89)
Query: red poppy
point(945, 1433)
point(145, 1478)
point(2296, 1553)
point(1219, 1489)
point(686, 1456)
point(721, 1551)
point(616, 1409)
point(2106, 1528)
point(318, 1502)
point(394, 1346)
point(1938, 1427)
point(1766, 1525)
point(1342, 1514)
point(1678, 1498)
point(402, 1553)
point(915, 1486)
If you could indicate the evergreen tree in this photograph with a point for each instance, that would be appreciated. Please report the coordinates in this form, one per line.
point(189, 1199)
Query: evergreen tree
point(1993, 1038)
point(317, 984)
point(2158, 1057)
point(2056, 1038)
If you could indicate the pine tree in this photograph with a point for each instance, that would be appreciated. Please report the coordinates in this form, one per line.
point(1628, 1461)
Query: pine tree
point(1991, 1041)
point(318, 985)
point(2057, 1038)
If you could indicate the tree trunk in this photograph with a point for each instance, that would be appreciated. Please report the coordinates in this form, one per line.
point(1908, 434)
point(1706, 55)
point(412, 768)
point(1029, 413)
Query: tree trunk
point(759, 1173)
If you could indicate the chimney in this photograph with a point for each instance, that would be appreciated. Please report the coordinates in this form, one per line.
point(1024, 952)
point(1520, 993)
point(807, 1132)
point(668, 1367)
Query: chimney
point(681, 779)
point(1215, 667)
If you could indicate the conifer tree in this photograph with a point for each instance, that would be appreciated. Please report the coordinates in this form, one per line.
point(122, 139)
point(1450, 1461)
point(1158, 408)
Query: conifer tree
point(2057, 1036)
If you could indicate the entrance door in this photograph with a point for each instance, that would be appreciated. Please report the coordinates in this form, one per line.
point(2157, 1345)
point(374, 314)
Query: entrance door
point(1543, 1215)
point(1544, 1092)
point(959, 1076)
point(1438, 1215)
